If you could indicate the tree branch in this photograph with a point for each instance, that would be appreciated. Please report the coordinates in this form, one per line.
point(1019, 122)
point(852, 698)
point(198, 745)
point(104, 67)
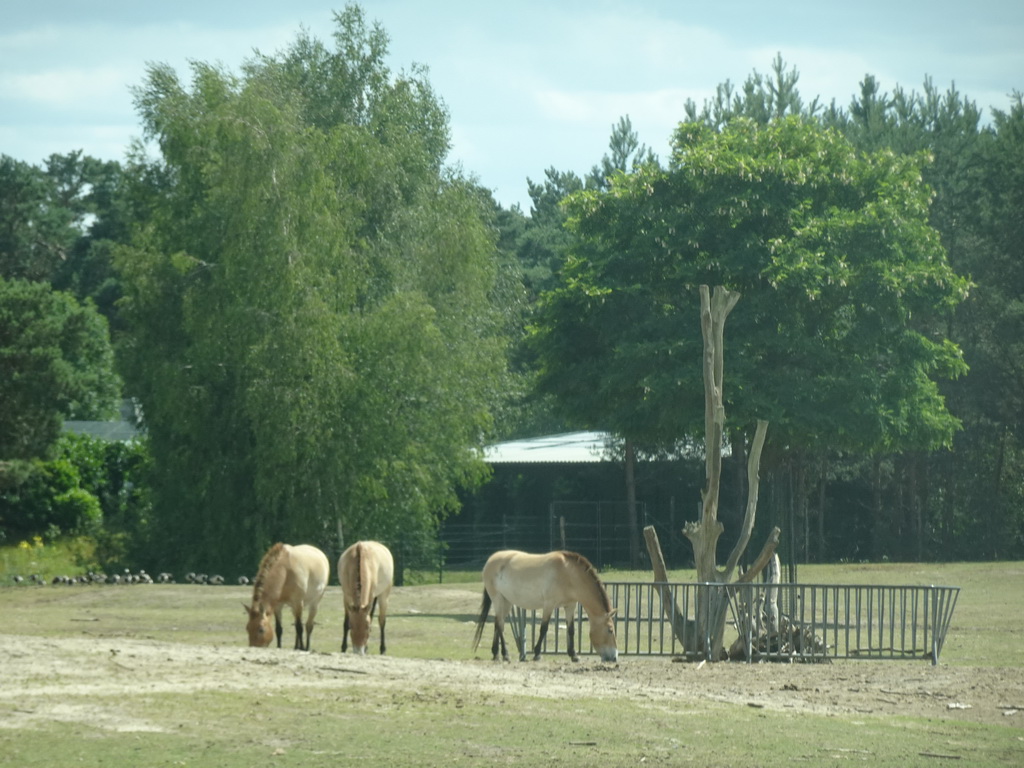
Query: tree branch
point(753, 483)
point(770, 545)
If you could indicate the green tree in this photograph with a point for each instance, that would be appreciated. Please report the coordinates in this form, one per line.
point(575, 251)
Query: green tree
point(95, 191)
point(834, 342)
point(36, 228)
point(987, 235)
point(58, 222)
point(976, 212)
point(539, 245)
point(314, 341)
point(762, 98)
point(626, 153)
point(58, 364)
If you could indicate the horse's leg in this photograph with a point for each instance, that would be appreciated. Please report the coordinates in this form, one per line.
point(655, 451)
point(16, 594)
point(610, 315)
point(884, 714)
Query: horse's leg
point(299, 645)
point(382, 619)
point(344, 634)
point(495, 643)
point(499, 637)
point(543, 634)
point(309, 624)
point(519, 633)
point(570, 633)
point(277, 625)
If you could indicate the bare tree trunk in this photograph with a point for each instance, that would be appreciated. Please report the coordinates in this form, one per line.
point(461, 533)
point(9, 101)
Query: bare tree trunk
point(879, 532)
point(634, 528)
point(997, 525)
point(822, 485)
point(803, 508)
point(915, 507)
point(704, 534)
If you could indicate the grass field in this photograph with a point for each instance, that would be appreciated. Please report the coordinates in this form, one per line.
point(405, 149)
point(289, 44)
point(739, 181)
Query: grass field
point(160, 676)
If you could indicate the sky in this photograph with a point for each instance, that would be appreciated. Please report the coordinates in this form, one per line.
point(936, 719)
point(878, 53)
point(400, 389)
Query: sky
point(529, 84)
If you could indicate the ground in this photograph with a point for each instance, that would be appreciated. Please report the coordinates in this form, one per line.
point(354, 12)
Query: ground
point(84, 655)
point(57, 677)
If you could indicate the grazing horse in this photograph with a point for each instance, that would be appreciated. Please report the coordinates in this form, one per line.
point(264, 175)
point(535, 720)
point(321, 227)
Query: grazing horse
point(557, 579)
point(366, 571)
point(288, 575)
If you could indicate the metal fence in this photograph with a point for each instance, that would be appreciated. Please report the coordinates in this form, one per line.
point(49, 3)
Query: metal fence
point(765, 622)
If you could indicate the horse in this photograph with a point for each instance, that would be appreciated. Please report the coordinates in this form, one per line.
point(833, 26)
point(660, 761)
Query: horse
point(288, 575)
point(557, 579)
point(366, 571)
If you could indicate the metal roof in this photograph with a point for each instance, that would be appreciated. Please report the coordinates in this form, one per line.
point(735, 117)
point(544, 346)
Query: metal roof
point(568, 448)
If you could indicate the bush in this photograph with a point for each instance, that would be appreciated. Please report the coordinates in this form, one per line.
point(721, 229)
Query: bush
point(49, 498)
point(93, 488)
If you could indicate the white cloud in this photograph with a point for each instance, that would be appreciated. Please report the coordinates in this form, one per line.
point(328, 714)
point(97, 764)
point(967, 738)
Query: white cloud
point(73, 88)
point(530, 84)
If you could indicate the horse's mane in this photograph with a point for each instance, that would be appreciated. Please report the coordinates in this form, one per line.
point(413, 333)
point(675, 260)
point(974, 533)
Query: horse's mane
point(591, 571)
point(265, 565)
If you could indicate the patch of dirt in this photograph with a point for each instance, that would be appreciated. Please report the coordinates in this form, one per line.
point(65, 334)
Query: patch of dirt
point(48, 679)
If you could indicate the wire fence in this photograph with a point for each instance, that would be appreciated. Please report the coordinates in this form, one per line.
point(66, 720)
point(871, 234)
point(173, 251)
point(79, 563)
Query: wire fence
point(599, 531)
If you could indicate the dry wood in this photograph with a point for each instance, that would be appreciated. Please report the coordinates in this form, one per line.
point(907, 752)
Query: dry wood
point(684, 630)
point(704, 533)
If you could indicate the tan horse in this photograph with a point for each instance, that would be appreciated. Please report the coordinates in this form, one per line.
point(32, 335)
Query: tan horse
point(366, 571)
point(288, 575)
point(557, 579)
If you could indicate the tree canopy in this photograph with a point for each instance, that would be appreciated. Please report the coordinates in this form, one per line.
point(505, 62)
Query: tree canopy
point(57, 364)
point(313, 341)
point(842, 279)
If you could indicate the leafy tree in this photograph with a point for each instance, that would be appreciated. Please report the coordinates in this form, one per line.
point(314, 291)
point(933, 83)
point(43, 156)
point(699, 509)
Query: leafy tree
point(58, 364)
point(57, 224)
point(540, 245)
point(313, 338)
point(95, 190)
point(544, 244)
point(986, 234)
point(36, 228)
point(834, 342)
point(936, 496)
point(762, 98)
point(626, 154)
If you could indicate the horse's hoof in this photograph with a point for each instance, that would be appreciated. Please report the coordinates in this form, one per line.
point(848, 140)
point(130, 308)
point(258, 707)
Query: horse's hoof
point(574, 658)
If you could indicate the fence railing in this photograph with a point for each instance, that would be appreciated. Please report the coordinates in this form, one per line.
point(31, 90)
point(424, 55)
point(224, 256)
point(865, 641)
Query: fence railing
point(768, 622)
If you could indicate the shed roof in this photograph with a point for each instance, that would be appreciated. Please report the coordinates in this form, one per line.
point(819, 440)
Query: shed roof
point(567, 448)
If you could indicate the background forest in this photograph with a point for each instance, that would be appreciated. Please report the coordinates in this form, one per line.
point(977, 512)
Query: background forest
point(320, 323)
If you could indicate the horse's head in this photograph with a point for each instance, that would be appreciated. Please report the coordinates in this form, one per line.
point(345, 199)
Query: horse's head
point(359, 625)
point(259, 626)
point(602, 636)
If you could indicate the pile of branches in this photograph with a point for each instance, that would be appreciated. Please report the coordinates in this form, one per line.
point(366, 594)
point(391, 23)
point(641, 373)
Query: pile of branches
point(790, 642)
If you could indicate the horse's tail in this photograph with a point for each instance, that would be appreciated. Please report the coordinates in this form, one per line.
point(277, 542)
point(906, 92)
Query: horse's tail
point(485, 608)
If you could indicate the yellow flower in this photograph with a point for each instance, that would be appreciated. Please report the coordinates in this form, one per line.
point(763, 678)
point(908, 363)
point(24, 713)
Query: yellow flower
point(23, 545)
point(37, 541)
